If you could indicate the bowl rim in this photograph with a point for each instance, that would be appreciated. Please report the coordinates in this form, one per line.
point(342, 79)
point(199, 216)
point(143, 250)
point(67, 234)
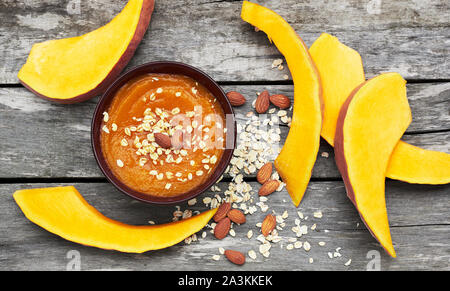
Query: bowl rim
point(105, 101)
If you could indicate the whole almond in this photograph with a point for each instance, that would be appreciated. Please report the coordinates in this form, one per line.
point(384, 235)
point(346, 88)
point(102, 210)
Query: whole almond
point(236, 98)
point(222, 211)
point(163, 140)
point(235, 257)
point(264, 173)
point(236, 216)
point(280, 101)
point(269, 223)
point(262, 102)
point(222, 228)
point(269, 187)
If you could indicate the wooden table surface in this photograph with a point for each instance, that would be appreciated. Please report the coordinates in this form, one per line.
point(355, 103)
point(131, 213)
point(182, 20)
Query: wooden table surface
point(44, 144)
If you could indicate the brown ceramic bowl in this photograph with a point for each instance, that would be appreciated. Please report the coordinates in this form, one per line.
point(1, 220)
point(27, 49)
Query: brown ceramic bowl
point(167, 68)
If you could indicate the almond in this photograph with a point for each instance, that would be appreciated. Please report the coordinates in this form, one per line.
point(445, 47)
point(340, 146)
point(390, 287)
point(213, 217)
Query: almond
point(262, 102)
point(269, 187)
point(163, 140)
point(235, 257)
point(236, 216)
point(280, 101)
point(264, 173)
point(268, 224)
point(222, 228)
point(236, 98)
point(222, 211)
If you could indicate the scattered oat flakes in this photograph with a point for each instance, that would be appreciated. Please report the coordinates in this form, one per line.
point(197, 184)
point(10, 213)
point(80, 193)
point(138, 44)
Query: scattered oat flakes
point(276, 63)
point(252, 254)
point(250, 234)
point(119, 163)
point(105, 129)
point(306, 246)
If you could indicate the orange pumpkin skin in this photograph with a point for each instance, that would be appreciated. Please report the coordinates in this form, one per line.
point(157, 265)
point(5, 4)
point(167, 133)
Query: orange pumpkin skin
point(51, 52)
point(370, 124)
point(64, 212)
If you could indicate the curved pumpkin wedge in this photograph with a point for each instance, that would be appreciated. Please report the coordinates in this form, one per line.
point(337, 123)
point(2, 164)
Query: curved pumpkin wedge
point(298, 155)
point(64, 212)
point(416, 165)
point(75, 69)
point(341, 70)
point(370, 124)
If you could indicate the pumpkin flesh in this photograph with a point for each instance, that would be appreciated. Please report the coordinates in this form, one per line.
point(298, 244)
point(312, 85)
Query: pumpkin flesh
point(78, 68)
point(64, 212)
point(341, 70)
point(370, 124)
point(299, 152)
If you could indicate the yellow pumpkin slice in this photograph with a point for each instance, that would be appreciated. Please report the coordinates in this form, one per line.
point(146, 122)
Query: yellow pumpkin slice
point(370, 124)
point(298, 155)
point(64, 212)
point(75, 69)
point(416, 165)
point(341, 70)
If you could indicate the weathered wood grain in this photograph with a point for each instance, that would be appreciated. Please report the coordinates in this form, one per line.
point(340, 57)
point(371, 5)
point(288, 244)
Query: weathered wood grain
point(45, 139)
point(420, 232)
point(410, 37)
point(41, 139)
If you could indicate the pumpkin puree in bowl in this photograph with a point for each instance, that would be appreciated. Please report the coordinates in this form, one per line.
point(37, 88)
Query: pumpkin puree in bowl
point(177, 107)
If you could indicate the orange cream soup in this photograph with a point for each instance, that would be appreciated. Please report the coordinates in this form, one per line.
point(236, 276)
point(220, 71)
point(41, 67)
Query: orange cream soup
point(146, 105)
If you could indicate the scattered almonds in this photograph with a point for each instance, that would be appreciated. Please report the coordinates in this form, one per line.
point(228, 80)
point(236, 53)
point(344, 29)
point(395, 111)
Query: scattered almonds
point(262, 102)
point(235, 257)
point(268, 224)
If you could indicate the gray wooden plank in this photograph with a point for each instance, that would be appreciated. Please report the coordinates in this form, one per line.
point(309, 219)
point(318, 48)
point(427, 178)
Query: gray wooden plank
point(46, 139)
point(419, 228)
point(405, 36)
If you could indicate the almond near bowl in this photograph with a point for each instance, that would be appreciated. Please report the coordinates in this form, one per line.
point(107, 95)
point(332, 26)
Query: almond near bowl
point(133, 137)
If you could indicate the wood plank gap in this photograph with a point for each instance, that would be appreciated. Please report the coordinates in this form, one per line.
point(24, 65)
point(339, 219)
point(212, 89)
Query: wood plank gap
point(263, 83)
point(43, 180)
point(427, 131)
